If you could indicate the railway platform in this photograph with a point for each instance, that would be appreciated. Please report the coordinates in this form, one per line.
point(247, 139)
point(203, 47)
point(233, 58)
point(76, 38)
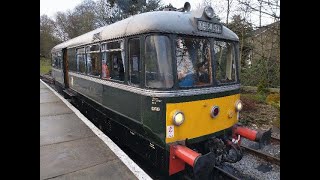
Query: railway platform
point(71, 147)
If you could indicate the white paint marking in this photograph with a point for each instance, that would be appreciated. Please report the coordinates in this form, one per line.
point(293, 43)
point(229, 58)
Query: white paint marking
point(135, 169)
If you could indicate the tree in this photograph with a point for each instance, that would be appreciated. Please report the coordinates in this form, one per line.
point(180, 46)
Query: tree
point(152, 5)
point(74, 23)
point(244, 30)
point(62, 26)
point(130, 8)
point(47, 39)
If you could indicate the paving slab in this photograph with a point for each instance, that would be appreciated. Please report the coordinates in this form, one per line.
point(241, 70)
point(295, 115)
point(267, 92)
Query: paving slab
point(48, 97)
point(69, 149)
point(62, 158)
point(105, 171)
point(60, 128)
point(54, 108)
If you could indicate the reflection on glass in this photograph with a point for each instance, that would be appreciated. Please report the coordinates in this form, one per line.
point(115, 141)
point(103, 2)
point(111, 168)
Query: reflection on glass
point(158, 62)
point(134, 61)
point(225, 67)
point(113, 61)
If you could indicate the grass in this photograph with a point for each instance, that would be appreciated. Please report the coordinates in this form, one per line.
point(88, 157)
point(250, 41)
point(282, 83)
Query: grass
point(276, 123)
point(45, 65)
point(259, 98)
point(257, 107)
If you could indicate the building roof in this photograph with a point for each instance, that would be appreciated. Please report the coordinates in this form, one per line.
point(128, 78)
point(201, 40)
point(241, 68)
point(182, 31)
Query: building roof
point(263, 29)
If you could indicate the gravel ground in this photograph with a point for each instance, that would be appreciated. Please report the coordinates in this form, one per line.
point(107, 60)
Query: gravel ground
point(272, 149)
point(276, 132)
point(256, 168)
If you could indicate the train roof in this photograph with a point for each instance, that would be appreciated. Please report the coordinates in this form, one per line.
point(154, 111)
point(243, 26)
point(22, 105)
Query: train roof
point(158, 21)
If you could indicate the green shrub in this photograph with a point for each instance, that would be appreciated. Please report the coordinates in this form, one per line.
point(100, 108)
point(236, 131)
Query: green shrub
point(45, 66)
point(261, 98)
point(262, 87)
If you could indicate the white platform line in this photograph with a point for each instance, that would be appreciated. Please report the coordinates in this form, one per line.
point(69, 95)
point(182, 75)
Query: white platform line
point(136, 170)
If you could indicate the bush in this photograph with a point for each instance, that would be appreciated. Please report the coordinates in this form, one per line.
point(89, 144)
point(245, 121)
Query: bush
point(273, 98)
point(255, 98)
point(249, 104)
point(276, 122)
point(45, 66)
point(262, 87)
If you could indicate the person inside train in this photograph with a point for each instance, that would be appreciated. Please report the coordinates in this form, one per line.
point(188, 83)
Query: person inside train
point(202, 74)
point(184, 63)
point(121, 70)
point(105, 70)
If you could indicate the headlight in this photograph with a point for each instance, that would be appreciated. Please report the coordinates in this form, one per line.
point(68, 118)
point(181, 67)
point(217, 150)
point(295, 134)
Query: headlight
point(239, 105)
point(178, 118)
point(209, 12)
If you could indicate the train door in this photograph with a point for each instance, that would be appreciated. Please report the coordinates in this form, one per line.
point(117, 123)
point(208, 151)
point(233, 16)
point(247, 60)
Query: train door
point(65, 67)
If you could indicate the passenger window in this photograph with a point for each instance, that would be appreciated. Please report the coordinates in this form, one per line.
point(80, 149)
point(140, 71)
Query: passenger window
point(81, 60)
point(134, 61)
point(225, 67)
point(113, 61)
point(54, 60)
point(59, 59)
point(72, 59)
point(158, 62)
point(93, 60)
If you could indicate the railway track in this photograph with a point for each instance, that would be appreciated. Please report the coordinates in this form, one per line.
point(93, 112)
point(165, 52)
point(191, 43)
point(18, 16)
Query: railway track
point(267, 157)
point(275, 140)
point(47, 79)
point(222, 174)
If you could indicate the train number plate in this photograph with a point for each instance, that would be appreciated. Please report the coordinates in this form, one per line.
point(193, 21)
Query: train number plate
point(209, 26)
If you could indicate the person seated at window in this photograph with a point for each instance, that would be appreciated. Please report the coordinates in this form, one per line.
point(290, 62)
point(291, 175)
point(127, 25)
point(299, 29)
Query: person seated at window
point(121, 71)
point(203, 76)
point(185, 56)
point(105, 71)
point(185, 72)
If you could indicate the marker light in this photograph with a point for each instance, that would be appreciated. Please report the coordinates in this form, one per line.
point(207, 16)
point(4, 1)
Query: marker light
point(208, 11)
point(215, 111)
point(239, 105)
point(178, 118)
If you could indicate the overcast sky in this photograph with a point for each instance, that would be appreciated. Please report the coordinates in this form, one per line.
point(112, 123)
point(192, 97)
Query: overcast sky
point(50, 7)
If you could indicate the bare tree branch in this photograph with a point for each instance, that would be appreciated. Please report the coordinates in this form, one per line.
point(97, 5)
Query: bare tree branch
point(248, 5)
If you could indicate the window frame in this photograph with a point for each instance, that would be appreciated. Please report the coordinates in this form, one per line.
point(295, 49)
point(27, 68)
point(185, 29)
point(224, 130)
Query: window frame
point(89, 52)
point(121, 50)
point(169, 36)
point(85, 59)
point(236, 54)
point(69, 50)
point(141, 61)
point(213, 81)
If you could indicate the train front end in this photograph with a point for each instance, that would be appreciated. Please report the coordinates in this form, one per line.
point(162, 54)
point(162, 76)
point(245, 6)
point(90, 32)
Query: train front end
point(202, 115)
